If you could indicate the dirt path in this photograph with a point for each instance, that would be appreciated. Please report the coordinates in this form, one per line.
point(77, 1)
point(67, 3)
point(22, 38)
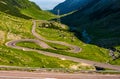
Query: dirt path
point(76, 49)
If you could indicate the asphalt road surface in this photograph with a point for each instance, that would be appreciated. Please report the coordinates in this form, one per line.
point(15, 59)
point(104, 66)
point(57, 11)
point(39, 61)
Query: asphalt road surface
point(38, 75)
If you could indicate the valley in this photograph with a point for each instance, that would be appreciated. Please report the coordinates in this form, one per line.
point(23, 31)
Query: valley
point(76, 49)
point(101, 19)
point(30, 37)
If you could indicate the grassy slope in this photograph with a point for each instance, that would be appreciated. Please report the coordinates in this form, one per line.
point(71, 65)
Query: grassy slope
point(90, 52)
point(24, 9)
point(37, 14)
point(102, 25)
point(53, 34)
point(16, 28)
point(36, 46)
point(14, 57)
point(12, 27)
point(107, 30)
point(12, 7)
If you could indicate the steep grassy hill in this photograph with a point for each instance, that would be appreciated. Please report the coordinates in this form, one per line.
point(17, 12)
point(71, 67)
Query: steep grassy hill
point(24, 9)
point(100, 19)
point(12, 28)
point(89, 51)
point(15, 24)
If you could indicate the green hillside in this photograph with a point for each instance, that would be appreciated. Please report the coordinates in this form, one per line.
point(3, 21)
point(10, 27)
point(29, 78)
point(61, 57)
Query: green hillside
point(15, 26)
point(16, 23)
point(24, 9)
point(12, 28)
point(89, 51)
point(102, 22)
point(37, 14)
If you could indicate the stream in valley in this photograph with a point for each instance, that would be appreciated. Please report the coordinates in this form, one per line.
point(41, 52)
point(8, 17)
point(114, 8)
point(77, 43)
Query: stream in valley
point(86, 36)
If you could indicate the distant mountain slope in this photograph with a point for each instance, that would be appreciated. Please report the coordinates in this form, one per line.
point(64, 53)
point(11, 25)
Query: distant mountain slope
point(71, 5)
point(101, 19)
point(12, 7)
point(24, 9)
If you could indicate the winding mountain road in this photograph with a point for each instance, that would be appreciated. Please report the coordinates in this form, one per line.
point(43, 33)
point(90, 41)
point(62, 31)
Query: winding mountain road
point(74, 49)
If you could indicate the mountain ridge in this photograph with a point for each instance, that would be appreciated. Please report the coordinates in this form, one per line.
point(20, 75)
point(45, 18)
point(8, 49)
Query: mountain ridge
point(72, 5)
point(101, 20)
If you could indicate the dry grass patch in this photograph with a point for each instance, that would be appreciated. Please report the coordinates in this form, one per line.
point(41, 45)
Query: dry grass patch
point(82, 66)
point(11, 36)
